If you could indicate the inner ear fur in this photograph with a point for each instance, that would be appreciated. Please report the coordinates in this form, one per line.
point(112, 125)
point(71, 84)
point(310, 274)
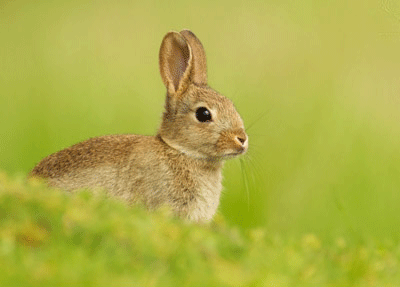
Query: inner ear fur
point(199, 69)
point(176, 62)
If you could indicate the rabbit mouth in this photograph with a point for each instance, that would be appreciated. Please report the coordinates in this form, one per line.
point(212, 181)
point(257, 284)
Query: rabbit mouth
point(233, 154)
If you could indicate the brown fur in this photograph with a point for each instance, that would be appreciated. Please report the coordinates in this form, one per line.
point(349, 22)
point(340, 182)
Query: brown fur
point(180, 166)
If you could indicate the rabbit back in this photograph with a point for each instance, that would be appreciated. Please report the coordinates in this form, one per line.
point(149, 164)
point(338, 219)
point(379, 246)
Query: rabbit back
point(96, 163)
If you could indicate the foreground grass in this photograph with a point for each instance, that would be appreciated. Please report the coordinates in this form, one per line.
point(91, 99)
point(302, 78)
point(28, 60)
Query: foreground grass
point(50, 238)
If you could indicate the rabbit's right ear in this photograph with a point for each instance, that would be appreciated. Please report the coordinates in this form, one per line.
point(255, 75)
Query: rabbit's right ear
point(175, 62)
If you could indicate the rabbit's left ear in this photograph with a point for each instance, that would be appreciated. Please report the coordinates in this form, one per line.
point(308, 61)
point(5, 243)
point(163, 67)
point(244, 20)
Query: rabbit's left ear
point(199, 69)
point(175, 63)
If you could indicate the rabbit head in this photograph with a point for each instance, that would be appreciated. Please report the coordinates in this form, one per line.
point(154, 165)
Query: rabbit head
point(197, 121)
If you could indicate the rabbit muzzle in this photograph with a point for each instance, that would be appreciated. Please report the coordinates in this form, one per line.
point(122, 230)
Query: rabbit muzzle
point(233, 143)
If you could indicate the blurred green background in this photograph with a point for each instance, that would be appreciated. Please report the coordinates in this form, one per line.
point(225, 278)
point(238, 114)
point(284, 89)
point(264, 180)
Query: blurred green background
point(317, 82)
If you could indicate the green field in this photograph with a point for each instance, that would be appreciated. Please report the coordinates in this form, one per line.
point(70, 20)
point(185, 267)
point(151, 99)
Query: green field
point(50, 238)
point(317, 84)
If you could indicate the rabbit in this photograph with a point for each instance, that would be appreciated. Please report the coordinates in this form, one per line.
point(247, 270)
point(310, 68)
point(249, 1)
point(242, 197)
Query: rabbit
point(181, 166)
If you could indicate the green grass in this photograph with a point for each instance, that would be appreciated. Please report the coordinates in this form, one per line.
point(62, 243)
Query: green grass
point(51, 238)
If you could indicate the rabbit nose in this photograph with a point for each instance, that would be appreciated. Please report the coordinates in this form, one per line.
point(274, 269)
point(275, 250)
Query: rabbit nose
point(241, 139)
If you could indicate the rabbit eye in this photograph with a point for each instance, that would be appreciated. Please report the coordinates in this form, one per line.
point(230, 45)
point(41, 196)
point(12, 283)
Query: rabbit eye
point(203, 115)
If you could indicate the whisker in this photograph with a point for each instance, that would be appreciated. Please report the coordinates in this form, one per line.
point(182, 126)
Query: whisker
point(259, 135)
point(259, 117)
point(257, 174)
point(245, 181)
point(254, 147)
point(255, 152)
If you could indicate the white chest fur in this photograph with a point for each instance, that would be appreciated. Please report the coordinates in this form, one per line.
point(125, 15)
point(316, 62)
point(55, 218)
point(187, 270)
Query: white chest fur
point(207, 200)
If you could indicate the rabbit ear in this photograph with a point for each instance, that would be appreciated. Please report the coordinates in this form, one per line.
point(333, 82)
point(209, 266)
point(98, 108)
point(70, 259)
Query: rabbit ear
point(175, 62)
point(199, 70)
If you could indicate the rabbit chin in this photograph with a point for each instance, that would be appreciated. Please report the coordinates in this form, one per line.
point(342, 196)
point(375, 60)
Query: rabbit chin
point(232, 154)
point(195, 154)
point(189, 152)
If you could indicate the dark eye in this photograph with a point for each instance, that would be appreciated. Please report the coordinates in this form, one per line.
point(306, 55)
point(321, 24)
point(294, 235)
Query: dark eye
point(203, 114)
